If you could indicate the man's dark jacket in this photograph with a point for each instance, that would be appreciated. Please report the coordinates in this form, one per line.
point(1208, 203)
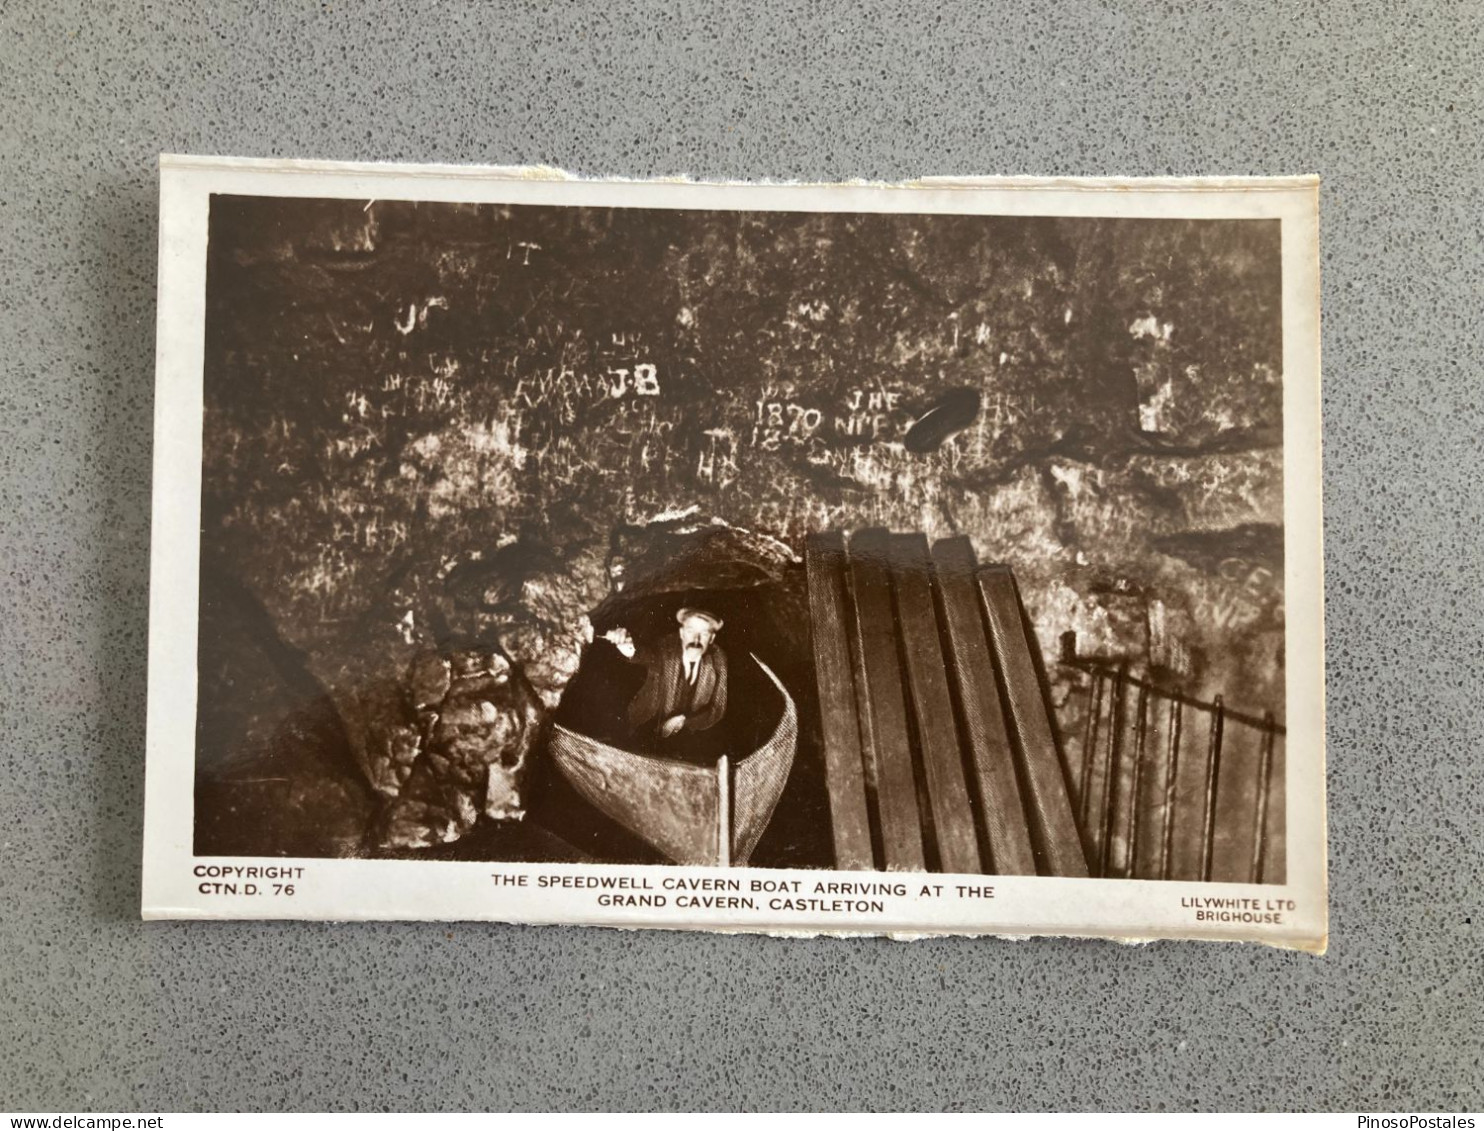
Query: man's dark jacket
point(666, 692)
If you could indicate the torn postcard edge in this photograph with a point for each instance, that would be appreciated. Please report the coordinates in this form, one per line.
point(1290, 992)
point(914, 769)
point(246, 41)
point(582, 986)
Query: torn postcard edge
point(909, 560)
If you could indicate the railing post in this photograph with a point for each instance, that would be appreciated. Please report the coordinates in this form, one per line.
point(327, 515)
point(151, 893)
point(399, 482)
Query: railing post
point(1172, 769)
point(1141, 726)
point(1213, 773)
point(1119, 700)
point(1090, 748)
point(1264, 780)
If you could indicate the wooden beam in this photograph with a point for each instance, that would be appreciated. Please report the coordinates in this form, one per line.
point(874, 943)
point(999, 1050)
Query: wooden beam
point(1053, 829)
point(972, 668)
point(927, 680)
point(829, 611)
point(884, 734)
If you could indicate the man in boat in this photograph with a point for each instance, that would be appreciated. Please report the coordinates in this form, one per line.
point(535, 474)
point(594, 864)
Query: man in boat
point(684, 694)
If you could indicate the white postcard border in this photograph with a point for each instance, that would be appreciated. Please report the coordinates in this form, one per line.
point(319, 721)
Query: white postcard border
point(177, 884)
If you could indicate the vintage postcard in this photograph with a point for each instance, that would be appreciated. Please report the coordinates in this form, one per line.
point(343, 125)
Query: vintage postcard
point(891, 559)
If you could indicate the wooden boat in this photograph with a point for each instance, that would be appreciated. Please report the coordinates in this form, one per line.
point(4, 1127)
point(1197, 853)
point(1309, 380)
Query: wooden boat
point(708, 815)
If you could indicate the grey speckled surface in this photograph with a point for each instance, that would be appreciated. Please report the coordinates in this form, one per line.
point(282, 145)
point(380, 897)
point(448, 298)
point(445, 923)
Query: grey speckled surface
point(1383, 100)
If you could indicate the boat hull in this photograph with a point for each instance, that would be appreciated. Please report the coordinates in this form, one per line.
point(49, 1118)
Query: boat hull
point(704, 815)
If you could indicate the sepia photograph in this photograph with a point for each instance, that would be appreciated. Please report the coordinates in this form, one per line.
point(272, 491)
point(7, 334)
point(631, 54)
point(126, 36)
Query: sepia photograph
point(871, 531)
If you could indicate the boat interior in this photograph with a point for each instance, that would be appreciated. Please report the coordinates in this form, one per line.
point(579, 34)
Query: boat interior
point(596, 701)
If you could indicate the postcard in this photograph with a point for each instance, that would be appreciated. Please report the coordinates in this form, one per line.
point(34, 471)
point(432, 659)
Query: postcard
point(892, 559)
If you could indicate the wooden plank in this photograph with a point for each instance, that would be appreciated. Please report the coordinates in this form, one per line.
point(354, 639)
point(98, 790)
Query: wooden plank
point(1054, 831)
point(824, 560)
point(927, 680)
point(884, 735)
point(971, 665)
point(1234, 840)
